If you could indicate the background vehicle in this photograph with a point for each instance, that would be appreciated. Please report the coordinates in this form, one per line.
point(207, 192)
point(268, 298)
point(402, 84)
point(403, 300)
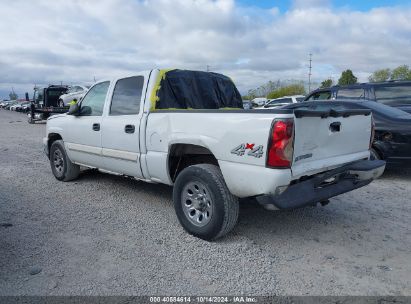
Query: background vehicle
point(25, 107)
point(15, 106)
point(10, 104)
point(187, 129)
point(392, 140)
point(396, 94)
point(46, 102)
point(19, 105)
point(272, 103)
point(259, 101)
point(73, 92)
point(3, 103)
point(247, 104)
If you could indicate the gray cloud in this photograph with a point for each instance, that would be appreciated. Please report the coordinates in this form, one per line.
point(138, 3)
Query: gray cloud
point(75, 41)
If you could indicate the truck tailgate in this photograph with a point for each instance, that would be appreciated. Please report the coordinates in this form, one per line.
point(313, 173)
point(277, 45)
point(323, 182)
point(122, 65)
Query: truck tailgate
point(327, 139)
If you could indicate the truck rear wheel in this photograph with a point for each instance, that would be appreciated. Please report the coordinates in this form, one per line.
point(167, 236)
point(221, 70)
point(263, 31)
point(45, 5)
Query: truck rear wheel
point(62, 167)
point(203, 204)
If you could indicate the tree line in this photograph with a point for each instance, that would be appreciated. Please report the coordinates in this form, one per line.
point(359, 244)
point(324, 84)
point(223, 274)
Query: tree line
point(402, 72)
point(278, 89)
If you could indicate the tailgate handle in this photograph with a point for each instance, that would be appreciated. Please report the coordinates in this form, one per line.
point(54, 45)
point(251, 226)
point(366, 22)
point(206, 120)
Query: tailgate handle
point(335, 126)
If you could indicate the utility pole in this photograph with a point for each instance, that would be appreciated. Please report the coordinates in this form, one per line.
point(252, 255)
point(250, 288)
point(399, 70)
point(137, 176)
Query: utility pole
point(309, 74)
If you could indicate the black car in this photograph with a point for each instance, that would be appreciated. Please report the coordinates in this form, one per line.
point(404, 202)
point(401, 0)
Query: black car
point(396, 94)
point(392, 140)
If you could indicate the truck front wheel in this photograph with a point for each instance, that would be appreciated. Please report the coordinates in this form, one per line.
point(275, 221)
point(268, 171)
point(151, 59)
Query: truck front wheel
point(62, 167)
point(203, 204)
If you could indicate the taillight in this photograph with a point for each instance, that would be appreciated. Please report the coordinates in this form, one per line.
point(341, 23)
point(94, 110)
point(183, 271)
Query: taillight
point(372, 131)
point(280, 146)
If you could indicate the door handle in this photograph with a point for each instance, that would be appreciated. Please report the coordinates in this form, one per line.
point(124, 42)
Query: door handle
point(335, 126)
point(96, 127)
point(130, 129)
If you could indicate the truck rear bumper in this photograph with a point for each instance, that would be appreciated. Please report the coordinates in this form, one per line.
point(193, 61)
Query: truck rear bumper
point(325, 185)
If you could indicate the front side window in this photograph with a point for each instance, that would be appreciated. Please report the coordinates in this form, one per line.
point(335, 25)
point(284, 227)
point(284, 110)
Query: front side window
point(393, 95)
point(351, 94)
point(127, 96)
point(93, 102)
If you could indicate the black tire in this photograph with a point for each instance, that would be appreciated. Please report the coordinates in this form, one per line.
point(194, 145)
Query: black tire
point(61, 166)
point(374, 155)
point(224, 206)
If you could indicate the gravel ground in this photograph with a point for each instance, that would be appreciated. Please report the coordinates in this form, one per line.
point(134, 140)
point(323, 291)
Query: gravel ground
point(108, 235)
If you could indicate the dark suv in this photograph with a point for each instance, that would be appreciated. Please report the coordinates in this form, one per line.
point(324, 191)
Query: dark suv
point(391, 93)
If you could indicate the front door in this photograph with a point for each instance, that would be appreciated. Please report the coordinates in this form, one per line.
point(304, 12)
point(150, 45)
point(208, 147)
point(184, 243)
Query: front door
point(120, 127)
point(83, 132)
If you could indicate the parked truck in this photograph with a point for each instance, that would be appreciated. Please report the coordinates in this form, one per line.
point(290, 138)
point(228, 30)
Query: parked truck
point(188, 129)
point(46, 102)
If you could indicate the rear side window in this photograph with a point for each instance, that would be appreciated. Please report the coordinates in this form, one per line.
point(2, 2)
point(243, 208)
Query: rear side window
point(127, 96)
point(393, 95)
point(351, 94)
point(282, 100)
point(320, 96)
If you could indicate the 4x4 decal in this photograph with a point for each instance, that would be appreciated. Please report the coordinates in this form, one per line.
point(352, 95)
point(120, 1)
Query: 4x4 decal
point(240, 150)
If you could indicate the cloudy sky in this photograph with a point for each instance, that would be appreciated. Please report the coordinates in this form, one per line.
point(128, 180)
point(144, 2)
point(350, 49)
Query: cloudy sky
point(251, 41)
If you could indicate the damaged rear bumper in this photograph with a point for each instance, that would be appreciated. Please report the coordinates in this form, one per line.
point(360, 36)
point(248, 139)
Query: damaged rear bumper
point(323, 186)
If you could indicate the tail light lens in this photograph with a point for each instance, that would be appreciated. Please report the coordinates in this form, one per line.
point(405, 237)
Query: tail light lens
point(280, 147)
point(372, 131)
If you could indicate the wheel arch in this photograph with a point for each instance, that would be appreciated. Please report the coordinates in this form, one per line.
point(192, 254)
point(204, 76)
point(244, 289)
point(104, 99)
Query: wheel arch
point(52, 137)
point(379, 148)
point(183, 155)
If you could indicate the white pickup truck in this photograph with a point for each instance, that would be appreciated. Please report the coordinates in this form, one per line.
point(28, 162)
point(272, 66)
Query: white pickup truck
point(185, 128)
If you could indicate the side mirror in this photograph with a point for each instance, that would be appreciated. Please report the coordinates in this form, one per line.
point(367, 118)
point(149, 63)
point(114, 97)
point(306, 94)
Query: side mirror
point(74, 110)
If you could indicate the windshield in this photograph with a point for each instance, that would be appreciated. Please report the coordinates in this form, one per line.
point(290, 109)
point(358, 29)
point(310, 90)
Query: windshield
point(38, 96)
point(393, 95)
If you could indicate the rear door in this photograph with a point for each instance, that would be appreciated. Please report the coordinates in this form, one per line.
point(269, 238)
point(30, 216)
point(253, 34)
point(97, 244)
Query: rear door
point(321, 143)
point(121, 127)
